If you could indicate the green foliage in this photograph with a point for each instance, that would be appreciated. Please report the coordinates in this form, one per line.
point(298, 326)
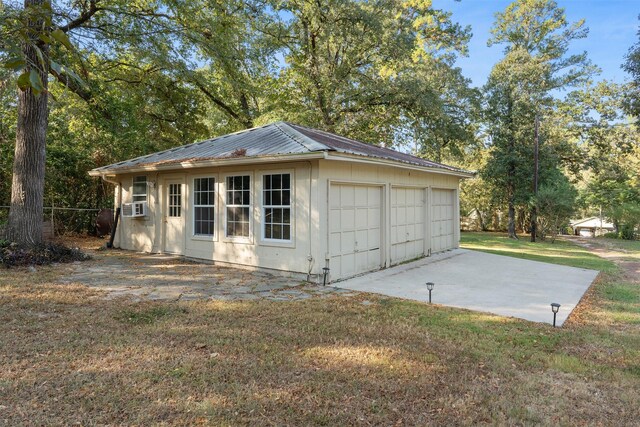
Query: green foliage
point(129, 78)
point(374, 70)
point(478, 205)
point(536, 63)
point(555, 203)
point(613, 148)
point(632, 66)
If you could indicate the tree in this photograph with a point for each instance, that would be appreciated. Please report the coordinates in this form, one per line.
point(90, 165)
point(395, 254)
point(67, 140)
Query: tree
point(556, 204)
point(612, 147)
point(371, 69)
point(632, 66)
point(477, 200)
point(35, 42)
point(121, 78)
point(521, 86)
point(25, 217)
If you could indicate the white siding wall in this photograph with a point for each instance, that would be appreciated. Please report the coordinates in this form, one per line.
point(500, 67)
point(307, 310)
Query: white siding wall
point(148, 235)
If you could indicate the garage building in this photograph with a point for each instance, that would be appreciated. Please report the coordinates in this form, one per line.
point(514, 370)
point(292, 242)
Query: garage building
point(290, 198)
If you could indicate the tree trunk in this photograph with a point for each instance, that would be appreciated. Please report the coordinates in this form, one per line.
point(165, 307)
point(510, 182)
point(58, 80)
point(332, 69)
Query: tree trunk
point(511, 171)
point(27, 191)
point(512, 219)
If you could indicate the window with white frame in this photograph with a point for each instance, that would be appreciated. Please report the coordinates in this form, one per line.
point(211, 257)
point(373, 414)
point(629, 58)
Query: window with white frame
point(238, 205)
point(175, 200)
point(204, 206)
point(139, 190)
point(276, 206)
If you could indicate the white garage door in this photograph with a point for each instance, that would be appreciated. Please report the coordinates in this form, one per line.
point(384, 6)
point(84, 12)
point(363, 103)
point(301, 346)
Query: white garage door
point(354, 229)
point(442, 223)
point(408, 215)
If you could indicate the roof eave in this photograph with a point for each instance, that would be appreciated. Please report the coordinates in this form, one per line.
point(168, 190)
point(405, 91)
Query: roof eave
point(207, 163)
point(334, 155)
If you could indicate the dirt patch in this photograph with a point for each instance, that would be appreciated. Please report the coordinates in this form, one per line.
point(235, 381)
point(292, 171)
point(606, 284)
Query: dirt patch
point(624, 259)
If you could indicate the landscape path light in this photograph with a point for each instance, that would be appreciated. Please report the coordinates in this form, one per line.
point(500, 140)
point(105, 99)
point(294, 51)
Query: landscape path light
point(555, 307)
point(430, 286)
point(325, 270)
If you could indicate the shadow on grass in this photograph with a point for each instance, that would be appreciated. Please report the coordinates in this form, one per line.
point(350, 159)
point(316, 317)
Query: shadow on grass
point(314, 362)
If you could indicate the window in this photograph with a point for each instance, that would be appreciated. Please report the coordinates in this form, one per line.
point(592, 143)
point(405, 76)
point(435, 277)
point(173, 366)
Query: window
point(139, 192)
point(277, 206)
point(175, 200)
point(204, 201)
point(238, 205)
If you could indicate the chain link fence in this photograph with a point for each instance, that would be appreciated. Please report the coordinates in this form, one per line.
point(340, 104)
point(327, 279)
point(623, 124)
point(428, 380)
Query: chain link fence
point(60, 220)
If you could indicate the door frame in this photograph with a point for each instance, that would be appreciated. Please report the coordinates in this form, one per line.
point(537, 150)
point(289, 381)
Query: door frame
point(164, 201)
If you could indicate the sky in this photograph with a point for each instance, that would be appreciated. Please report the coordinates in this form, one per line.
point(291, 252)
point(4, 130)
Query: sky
point(613, 27)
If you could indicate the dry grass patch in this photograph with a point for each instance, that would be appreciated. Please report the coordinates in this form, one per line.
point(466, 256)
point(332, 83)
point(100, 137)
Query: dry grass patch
point(69, 357)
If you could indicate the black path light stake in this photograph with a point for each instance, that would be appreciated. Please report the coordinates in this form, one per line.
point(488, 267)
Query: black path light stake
point(325, 270)
point(430, 286)
point(555, 307)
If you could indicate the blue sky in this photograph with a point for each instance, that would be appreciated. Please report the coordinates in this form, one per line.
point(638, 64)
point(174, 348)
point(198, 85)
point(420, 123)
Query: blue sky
point(613, 26)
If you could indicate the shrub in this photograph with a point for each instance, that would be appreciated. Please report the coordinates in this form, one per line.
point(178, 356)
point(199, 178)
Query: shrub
point(12, 254)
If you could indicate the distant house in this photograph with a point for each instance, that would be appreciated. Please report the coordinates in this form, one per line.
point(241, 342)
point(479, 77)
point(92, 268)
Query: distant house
point(590, 227)
point(287, 197)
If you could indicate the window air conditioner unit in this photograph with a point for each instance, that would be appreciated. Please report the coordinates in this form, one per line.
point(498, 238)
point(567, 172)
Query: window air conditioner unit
point(134, 210)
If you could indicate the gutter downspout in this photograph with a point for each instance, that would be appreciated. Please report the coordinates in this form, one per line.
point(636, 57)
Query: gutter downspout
point(310, 254)
point(118, 202)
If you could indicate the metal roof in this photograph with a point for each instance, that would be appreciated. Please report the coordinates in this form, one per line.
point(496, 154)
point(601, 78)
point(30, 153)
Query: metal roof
point(272, 140)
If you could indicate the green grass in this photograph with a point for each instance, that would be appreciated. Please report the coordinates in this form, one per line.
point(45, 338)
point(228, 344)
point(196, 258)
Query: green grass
point(559, 252)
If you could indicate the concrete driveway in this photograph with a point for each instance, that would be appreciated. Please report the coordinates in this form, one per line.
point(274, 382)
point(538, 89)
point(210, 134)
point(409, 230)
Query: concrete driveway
point(483, 282)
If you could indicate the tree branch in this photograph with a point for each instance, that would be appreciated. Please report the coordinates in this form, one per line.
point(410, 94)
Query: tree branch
point(82, 18)
point(227, 109)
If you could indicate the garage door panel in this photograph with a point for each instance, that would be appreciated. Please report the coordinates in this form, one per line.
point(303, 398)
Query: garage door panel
point(334, 220)
point(347, 265)
point(334, 243)
point(347, 219)
point(408, 215)
point(362, 261)
point(373, 216)
point(335, 198)
point(442, 230)
point(374, 239)
point(401, 234)
point(411, 232)
point(362, 240)
point(401, 214)
point(347, 242)
point(361, 196)
point(347, 197)
point(374, 196)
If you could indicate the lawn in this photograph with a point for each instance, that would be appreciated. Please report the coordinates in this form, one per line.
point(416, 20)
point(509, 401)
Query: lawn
point(68, 357)
point(558, 252)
